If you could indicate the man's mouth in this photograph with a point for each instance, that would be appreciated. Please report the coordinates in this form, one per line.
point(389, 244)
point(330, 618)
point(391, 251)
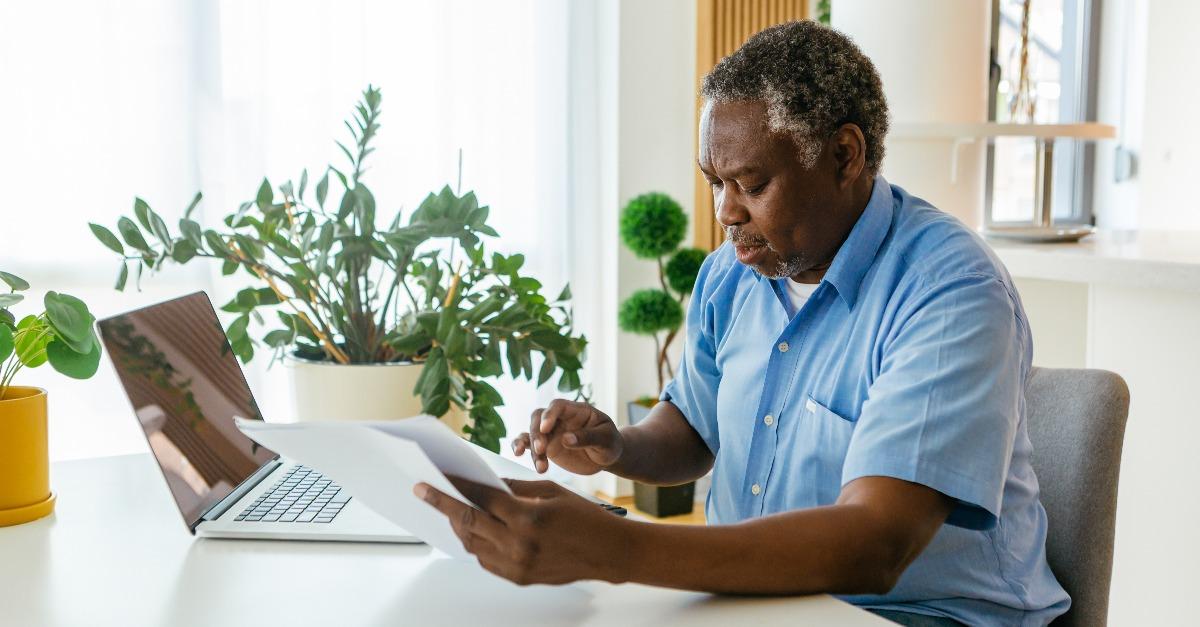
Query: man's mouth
point(750, 254)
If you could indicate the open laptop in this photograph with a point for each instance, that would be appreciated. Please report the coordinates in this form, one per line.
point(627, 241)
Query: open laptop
point(185, 386)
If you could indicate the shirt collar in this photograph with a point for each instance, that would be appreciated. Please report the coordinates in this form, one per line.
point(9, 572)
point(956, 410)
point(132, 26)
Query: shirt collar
point(857, 253)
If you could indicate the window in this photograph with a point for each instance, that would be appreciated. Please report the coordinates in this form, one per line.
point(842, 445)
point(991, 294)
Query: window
point(1060, 66)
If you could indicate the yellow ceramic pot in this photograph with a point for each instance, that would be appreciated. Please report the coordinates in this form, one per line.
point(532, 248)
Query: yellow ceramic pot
point(24, 457)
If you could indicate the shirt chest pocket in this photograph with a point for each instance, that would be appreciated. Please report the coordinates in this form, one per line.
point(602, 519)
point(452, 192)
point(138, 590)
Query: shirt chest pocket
point(822, 439)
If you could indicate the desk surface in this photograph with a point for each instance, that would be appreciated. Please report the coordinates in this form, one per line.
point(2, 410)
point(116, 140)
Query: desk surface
point(117, 553)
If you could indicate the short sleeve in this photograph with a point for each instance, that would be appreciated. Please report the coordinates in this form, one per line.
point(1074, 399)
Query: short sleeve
point(943, 410)
point(694, 388)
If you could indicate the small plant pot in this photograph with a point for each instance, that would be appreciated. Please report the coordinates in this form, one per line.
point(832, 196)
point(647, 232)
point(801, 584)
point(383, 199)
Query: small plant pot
point(325, 390)
point(663, 501)
point(24, 457)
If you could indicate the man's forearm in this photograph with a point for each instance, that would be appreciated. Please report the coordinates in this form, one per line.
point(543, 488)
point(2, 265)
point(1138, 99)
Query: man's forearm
point(834, 549)
point(663, 449)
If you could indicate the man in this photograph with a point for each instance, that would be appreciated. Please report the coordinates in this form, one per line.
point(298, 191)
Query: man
point(855, 368)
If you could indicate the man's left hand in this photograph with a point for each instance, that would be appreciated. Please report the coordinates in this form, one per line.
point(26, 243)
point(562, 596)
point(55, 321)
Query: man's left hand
point(542, 533)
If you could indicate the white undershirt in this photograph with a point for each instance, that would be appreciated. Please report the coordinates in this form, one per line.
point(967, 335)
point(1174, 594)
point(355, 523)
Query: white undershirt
point(798, 293)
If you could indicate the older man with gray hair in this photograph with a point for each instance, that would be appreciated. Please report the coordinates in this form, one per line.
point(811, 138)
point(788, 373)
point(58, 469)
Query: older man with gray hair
point(854, 376)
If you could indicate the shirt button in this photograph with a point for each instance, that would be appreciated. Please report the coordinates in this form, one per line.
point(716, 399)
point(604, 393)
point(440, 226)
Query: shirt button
point(783, 347)
point(754, 489)
point(769, 420)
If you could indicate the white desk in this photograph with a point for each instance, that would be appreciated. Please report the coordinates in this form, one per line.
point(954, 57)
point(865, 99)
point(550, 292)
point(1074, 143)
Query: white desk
point(117, 553)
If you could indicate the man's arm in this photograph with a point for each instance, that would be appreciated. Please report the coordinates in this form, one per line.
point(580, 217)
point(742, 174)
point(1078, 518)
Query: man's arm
point(543, 533)
point(663, 449)
point(860, 545)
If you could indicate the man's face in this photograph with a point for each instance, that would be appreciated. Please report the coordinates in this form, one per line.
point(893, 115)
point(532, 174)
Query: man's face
point(780, 216)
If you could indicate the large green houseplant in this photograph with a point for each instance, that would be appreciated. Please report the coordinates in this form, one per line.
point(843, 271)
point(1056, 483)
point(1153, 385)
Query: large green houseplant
point(61, 335)
point(653, 226)
point(350, 285)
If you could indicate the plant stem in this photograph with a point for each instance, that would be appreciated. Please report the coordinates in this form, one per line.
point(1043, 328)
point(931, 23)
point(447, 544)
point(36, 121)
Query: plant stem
point(658, 354)
point(662, 280)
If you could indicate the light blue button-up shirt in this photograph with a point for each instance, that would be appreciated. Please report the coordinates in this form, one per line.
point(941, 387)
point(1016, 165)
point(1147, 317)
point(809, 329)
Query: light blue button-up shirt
point(909, 361)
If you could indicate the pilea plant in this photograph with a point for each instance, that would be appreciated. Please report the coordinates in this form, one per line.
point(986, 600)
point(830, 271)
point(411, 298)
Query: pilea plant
point(653, 226)
point(62, 335)
point(349, 288)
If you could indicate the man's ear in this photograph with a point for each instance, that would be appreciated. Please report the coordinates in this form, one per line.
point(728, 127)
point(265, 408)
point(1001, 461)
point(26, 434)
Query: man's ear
point(849, 153)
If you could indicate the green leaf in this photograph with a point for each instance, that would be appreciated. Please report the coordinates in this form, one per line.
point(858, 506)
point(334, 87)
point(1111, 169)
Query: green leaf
point(107, 238)
point(348, 202)
point(6, 342)
point(565, 294)
point(183, 251)
point(322, 189)
point(8, 300)
point(122, 277)
point(237, 330)
point(30, 341)
point(14, 281)
point(547, 371)
point(71, 321)
point(229, 267)
point(216, 244)
point(71, 363)
point(279, 338)
point(142, 211)
point(187, 213)
point(159, 228)
point(132, 236)
point(303, 183)
point(265, 195)
point(192, 232)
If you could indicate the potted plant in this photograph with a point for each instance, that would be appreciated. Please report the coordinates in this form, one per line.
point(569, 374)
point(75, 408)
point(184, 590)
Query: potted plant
point(653, 226)
point(61, 335)
point(376, 317)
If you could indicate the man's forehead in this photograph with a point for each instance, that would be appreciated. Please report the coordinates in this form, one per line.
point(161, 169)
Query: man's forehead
point(738, 134)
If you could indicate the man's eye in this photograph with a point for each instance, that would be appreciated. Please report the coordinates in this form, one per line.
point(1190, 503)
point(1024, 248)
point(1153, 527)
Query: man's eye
point(715, 182)
point(754, 191)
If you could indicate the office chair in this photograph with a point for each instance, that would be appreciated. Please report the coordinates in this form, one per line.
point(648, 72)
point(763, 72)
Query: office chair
point(1077, 426)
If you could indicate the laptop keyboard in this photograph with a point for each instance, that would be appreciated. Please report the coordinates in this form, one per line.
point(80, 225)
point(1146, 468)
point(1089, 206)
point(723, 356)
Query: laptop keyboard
point(303, 495)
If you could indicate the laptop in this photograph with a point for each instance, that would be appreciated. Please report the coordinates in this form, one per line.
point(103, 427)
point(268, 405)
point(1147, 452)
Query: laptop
point(185, 386)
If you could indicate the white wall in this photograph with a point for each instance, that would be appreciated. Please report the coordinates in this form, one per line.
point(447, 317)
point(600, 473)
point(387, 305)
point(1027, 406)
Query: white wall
point(656, 136)
point(1149, 86)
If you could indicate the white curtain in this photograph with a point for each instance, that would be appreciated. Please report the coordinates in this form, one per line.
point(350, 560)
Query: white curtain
point(100, 102)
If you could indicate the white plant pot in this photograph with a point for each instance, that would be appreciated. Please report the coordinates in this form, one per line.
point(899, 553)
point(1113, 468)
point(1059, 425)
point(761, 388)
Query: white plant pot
point(328, 391)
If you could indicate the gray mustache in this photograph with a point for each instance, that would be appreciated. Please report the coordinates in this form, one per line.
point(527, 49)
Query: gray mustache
point(740, 238)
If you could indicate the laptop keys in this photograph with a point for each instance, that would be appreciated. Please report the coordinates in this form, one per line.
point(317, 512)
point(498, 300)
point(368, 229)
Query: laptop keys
point(301, 496)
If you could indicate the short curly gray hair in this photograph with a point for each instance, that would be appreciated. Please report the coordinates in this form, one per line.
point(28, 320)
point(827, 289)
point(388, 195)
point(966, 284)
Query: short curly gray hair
point(813, 79)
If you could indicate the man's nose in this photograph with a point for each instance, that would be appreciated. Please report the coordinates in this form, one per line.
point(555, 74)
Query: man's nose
point(730, 211)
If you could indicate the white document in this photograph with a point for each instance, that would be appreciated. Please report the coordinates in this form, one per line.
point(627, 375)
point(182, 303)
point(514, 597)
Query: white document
point(380, 462)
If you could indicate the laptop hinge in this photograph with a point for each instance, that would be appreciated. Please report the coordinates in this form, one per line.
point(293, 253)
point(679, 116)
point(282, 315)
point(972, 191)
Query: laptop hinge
point(224, 504)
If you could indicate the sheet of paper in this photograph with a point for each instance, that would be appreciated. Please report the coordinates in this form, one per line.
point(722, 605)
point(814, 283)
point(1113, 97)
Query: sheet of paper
point(451, 454)
point(378, 468)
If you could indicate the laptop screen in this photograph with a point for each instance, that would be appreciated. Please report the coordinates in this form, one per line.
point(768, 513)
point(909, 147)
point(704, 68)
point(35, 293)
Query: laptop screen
point(185, 386)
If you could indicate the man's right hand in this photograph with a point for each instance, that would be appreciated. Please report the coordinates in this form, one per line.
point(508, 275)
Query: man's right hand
point(575, 435)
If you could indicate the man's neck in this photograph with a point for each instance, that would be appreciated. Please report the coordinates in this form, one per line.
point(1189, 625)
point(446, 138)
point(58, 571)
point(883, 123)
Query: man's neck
point(861, 196)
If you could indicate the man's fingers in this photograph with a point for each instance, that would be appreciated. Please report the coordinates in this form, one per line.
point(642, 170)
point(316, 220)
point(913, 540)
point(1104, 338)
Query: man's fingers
point(600, 436)
point(498, 503)
point(464, 519)
point(520, 444)
point(537, 441)
point(534, 489)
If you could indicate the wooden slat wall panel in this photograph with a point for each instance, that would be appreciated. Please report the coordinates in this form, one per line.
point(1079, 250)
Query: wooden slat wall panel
point(721, 27)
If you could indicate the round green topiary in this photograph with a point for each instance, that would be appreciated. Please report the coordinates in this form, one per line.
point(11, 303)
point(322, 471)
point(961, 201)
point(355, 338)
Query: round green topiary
point(683, 268)
point(650, 311)
point(653, 225)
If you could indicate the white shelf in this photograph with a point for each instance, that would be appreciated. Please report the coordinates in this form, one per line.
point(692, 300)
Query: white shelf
point(954, 131)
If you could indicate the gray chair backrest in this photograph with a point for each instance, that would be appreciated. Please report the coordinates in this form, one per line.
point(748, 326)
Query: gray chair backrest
point(1077, 425)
